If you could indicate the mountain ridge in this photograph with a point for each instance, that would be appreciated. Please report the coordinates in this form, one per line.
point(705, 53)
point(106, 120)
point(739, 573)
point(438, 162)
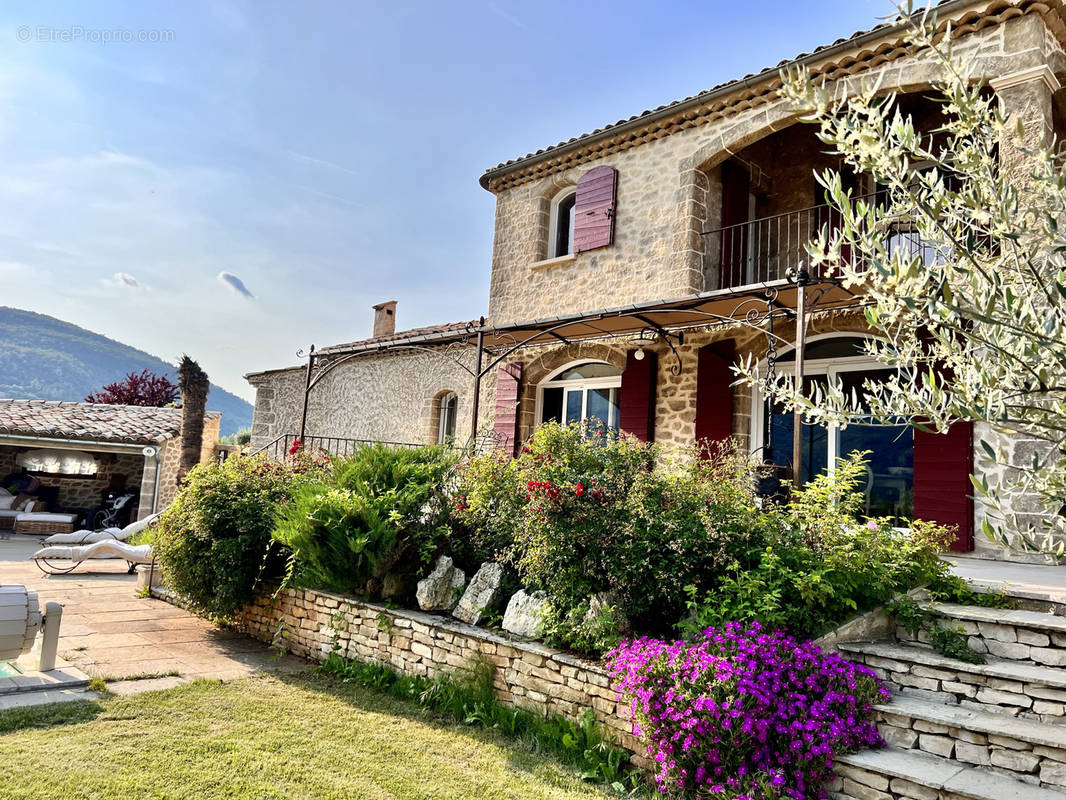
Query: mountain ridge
point(45, 358)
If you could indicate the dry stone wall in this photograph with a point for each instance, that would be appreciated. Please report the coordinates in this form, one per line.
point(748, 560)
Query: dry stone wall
point(529, 675)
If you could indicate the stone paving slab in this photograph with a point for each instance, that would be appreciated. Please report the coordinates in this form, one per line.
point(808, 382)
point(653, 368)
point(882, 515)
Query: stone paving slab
point(1032, 581)
point(953, 716)
point(108, 631)
point(1003, 616)
point(994, 668)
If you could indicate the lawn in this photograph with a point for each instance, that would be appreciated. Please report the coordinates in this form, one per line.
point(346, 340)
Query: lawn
point(262, 738)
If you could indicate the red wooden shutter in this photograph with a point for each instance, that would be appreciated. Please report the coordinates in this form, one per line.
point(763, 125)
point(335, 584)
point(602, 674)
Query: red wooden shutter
point(594, 209)
point(943, 464)
point(636, 401)
point(714, 393)
point(505, 427)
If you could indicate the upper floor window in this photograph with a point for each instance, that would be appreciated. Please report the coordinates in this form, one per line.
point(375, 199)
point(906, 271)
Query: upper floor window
point(561, 231)
point(581, 217)
point(449, 405)
point(585, 393)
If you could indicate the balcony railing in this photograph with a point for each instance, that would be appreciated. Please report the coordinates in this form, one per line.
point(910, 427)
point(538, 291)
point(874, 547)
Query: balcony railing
point(334, 445)
point(764, 250)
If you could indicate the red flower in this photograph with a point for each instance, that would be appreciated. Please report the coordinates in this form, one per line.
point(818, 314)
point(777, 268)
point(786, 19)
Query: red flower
point(295, 448)
point(579, 490)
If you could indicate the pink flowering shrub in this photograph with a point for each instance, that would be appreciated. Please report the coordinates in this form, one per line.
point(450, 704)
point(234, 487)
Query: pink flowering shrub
point(742, 713)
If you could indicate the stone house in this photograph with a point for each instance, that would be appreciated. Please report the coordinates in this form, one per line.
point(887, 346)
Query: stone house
point(79, 451)
point(706, 202)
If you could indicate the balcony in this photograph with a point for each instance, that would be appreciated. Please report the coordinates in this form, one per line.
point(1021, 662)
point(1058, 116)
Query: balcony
point(764, 250)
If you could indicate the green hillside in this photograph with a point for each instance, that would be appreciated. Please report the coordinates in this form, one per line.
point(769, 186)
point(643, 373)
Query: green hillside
point(45, 358)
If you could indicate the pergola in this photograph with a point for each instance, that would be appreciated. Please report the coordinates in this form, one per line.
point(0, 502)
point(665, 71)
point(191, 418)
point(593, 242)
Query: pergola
point(765, 307)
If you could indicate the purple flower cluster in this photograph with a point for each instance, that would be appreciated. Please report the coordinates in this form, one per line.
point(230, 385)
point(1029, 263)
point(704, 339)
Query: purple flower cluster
point(743, 713)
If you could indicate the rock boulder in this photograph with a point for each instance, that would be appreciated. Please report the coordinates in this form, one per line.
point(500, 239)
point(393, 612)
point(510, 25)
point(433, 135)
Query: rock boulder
point(525, 614)
point(481, 595)
point(440, 590)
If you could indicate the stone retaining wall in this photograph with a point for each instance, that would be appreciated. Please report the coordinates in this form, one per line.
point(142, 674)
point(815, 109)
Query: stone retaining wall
point(530, 675)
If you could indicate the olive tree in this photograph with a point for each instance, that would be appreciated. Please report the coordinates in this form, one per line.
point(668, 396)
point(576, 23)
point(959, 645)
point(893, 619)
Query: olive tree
point(973, 317)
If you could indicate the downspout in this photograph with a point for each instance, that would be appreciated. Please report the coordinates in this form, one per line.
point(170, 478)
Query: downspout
point(153, 452)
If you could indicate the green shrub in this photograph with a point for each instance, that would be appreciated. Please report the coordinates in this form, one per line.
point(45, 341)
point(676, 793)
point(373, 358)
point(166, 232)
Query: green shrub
point(213, 541)
point(579, 515)
point(379, 508)
point(824, 564)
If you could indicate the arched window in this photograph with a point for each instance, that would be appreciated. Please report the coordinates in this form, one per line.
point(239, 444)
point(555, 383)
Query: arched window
point(447, 406)
point(586, 392)
point(561, 226)
point(889, 485)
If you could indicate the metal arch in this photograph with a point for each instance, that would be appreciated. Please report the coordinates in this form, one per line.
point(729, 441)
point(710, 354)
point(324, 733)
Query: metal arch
point(330, 363)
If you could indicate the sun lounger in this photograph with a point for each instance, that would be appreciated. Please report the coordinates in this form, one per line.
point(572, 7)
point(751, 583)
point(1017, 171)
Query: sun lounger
point(51, 559)
point(107, 534)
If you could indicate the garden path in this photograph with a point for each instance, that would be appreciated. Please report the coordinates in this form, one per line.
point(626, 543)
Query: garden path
point(1032, 581)
point(109, 632)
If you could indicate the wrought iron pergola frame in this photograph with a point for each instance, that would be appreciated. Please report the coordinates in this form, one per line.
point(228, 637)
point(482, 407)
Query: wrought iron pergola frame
point(757, 307)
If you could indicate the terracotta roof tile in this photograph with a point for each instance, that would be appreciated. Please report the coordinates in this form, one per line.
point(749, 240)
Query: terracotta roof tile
point(90, 421)
point(443, 328)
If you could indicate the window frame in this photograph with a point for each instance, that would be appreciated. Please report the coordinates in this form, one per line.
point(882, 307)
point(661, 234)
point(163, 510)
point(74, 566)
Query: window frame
point(444, 416)
point(829, 367)
point(613, 382)
point(554, 214)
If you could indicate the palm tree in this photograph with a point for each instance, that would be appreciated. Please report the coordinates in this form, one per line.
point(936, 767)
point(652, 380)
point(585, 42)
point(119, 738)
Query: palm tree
point(194, 385)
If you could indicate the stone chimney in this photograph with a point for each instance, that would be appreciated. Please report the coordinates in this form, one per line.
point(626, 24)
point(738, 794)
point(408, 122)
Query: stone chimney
point(385, 319)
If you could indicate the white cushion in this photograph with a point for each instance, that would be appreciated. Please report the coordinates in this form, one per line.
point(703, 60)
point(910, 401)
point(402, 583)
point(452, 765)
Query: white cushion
point(4, 491)
point(84, 537)
point(10, 513)
point(136, 527)
point(44, 516)
point(139, 554)
point(6, 500)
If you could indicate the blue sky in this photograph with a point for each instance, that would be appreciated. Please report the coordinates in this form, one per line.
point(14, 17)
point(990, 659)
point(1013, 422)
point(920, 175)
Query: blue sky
point(259, 179)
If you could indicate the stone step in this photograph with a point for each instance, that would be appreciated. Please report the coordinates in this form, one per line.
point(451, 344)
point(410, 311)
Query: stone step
point(892, 774)
point(1010, 687)
point(1033, 752)
point(1005, 633)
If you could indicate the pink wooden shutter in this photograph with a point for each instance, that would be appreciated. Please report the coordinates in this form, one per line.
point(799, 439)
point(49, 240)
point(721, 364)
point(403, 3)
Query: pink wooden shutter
point(714, 394)
point(636, 401)
point(943, 464)
point(505, 427)
point(594, 209)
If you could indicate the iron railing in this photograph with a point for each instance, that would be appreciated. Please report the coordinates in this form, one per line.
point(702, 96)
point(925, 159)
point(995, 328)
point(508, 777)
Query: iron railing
point(334, 445)
point(764, 250)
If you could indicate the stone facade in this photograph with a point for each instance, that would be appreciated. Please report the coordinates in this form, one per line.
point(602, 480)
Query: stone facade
point(393, 396)
point(669, 188)
point(527, 674)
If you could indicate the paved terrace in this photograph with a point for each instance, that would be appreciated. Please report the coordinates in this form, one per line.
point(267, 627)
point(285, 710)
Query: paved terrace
point(109, 632)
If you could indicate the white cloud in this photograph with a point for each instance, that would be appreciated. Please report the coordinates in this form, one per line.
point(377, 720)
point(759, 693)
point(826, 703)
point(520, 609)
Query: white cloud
point(236, 284)
point(124, 280)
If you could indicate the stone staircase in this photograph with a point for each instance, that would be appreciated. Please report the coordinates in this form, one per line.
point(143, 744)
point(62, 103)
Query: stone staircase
point(992, 731)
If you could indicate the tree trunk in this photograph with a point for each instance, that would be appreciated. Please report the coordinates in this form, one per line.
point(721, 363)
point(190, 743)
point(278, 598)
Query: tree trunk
point(194, 385)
